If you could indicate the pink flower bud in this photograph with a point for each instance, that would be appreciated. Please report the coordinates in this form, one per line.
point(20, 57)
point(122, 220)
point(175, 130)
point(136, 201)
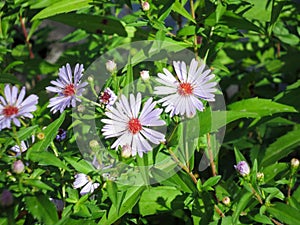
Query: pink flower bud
point(145, 6)
point(242, 168)
point(145, 75)
point(6, 198)
point(111, 66)
point(18, 167)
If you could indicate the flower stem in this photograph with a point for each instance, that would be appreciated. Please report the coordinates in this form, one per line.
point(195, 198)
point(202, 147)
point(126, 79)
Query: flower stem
point(182, 166)
point(211, 155)
point(22, 21)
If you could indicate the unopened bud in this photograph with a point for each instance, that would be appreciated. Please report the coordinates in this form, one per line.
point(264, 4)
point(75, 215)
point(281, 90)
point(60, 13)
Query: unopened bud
point(111, 66)
point(6, 198)
point(260, 177)
point(145, 6)
point(226, 200)
point(145, 75)
point(295, 163)
point(90, 79)
point(94, 145)
point(18, 167)
point(81, 108)
point(61, 135)
point(126, 151)
point(242, 168)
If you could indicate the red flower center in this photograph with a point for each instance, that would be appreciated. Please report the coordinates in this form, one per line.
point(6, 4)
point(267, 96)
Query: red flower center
point(134, 125)
point(105, 97)
point(185, 89)
point(69, 90)
point(10, 110)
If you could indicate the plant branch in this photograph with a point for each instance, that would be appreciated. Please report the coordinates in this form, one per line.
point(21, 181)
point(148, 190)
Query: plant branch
point(182, 166)
point(22, 21)
point(211, 155)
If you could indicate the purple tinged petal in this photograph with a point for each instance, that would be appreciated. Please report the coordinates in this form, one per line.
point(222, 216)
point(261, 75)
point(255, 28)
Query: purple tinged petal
point(7, 93)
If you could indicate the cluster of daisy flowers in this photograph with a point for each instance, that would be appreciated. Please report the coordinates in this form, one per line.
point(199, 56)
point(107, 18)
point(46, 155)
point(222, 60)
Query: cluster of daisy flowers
point(131, 123)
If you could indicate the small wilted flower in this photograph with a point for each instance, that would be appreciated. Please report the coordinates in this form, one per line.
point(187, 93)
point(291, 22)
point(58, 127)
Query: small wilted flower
point(18, 167)
point(61, 135)
point(81, 108)
point(126, 151)
point(111, 66)
point(107, 98)
point(145, 6)
point(226, 201)
point(68, 89)
point(14, 106)
point(242, 168)
point(6, 198)
point(83, 181)
point(40, 136)
point(145, 75)
point(295, 163)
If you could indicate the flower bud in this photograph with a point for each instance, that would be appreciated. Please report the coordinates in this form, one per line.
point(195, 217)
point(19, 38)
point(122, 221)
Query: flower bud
point(145, 75)
point(126, 151)
point(242, 168)
point(61, 135)
point(111, 66)
point(145, 6)
point(226, 201)
point(90, 79)
point(94, 145)
point(18, 167)
point(295, 163)
point(260, 177)
point(81, 108)
point(6, 198)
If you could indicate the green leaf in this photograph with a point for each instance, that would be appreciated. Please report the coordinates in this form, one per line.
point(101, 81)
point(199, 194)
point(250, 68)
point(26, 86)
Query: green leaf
point(37, 183)
point(177, 7)
point(212, 181)
point(50, 133)
point(92, 23)
point(159, 200)
point(238, 155)
point(80, 165)
point(235, 21)
point(42, 208)
point(281, 147)
point(263, 107)
point(241, 205)
point(131, 198)
point(112, 191)
point(262, 219)
point(63, 6)
point(47, 158)
point(9, 79)
point(284, 213)
point(290, 39)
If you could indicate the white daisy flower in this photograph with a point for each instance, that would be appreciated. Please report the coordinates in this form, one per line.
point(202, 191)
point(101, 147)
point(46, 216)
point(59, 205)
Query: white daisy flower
point(107, 98)
point(130, 125)
point(12, 106)
point(185, 91)
point(84, 181)
point(68, 90)
point(24, 145)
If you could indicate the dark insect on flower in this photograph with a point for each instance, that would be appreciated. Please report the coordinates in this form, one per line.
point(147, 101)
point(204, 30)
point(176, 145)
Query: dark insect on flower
point(62, 134)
